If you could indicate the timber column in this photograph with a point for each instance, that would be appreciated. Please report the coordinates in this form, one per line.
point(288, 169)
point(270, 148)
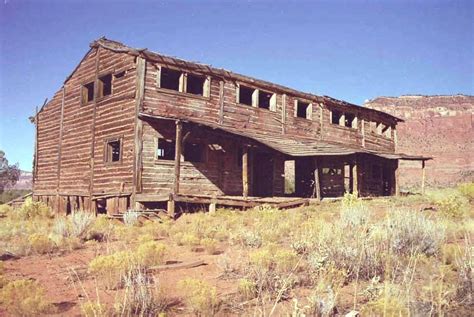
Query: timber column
point(177, 168)
point(317, 179)
point(355, 177)
point(245, 171)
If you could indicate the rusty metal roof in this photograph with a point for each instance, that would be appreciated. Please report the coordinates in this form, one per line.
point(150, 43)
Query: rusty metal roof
point(291, 146)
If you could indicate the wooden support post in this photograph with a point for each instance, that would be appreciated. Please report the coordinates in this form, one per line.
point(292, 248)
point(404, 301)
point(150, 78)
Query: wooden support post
point(245, 171)
point(397, 179)
point(177, 156)
point(212, 207)
point(317, 179)
point(423, 177)
point(355, 178)
point(171, 206)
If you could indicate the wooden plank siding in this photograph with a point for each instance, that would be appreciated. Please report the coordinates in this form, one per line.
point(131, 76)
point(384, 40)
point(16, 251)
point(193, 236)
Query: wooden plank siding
point(71, 170)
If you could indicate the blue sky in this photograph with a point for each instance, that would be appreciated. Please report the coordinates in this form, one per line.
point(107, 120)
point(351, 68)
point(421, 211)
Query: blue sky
point(351, 50)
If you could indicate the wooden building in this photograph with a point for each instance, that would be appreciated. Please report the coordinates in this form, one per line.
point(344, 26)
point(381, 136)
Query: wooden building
point(131, 128)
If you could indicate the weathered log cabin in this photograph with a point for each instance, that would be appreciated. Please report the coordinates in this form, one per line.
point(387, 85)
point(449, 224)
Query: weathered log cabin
point(131, 128)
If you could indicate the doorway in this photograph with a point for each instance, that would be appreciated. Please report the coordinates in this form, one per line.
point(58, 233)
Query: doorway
point(262, 174)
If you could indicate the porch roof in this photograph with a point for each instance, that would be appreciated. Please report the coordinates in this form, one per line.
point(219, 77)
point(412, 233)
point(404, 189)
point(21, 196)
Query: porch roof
point(292, 146)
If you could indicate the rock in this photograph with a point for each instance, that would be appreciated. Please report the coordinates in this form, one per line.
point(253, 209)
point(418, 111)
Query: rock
point(352, 313)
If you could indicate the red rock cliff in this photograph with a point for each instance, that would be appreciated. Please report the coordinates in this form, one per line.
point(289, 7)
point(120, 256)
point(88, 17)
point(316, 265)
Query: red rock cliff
point(437, 126)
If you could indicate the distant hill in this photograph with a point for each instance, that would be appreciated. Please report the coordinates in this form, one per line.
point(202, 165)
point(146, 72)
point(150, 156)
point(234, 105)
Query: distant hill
point(25, 181)
point(437, 126)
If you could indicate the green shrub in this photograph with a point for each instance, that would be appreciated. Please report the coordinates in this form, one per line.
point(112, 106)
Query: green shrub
point(210, 245)
point(467, 190)
point(81, 222)
point(110, 269)
point(412, 232)
point(451, 207)
point(200, 296)
point(150, 253)
point(93, 309)
point(40, 244)
point(24, 298)
point(247, 289)
point(33, 209)
point(5, 210)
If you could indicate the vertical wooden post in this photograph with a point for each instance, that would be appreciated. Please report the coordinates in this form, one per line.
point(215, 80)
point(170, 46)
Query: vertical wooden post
point(355, 177)
point(245, 171)
point(397, 178)
point(94, 114)
point(423, 177)
point(177, 156)
point(221, 102)
point(362, 129)
point(317, 179)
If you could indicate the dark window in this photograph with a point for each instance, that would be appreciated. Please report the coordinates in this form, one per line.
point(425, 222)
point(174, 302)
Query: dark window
point(245, 95)
point(113, 151)
point(166, 149)
point(335, 116)
point(105, 85)
point(195, 85)
point(169, 78)
point(194, 152)
point(88, 92)
point(349, 120)
point(331, 171)
point(302, 110)
point(264, 99)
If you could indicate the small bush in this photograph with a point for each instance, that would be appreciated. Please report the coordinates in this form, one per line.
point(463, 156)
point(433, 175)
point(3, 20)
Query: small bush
point(150, 253)
point(200, 296)
point(93, 309)
point(250, 239)
point(5, 210)
point(412, 233)
point(467, 190)
point(130, 217)
point(33, 209)
point(110, 269)
point(40, 244)
point(102, 229)
point(451, 207)
point(61, 227)
point(24, 298)
point(81, 222)
point(210, 245)
point(247, 289)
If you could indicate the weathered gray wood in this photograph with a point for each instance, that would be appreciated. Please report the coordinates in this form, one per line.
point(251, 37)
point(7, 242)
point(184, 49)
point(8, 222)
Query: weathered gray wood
point(423, 177)
point(138, 135)
point(317, 178)
point(245, 171)
point(177, 157)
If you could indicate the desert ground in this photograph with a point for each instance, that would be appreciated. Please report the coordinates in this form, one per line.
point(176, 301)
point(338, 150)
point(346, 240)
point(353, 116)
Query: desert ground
point(394, 256)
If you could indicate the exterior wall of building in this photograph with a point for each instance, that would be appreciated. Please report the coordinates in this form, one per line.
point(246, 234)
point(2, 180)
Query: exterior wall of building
point(72, 135)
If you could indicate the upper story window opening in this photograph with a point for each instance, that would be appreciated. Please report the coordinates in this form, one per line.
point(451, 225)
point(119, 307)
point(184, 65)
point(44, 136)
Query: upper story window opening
point(266, 100)
point(386, 131)
point(246, 95)
point(113, 150)
point(87, 92)
point(336, 117)
point(105, 85)
point(350, 120)
point(170, 79)
point(303, 109)
point(197, 85)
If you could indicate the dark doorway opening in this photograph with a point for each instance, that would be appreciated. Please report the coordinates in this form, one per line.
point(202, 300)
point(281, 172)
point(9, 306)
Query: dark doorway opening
point(262, 174)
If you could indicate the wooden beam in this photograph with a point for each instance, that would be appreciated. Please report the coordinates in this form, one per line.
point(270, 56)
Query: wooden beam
point(397, 178)
point(138, 139)
point(355, 178)
point(94, 114)
point(423, 177)
point(177, 156)
point(245, 171)
point(317, 179)
point(221, 102)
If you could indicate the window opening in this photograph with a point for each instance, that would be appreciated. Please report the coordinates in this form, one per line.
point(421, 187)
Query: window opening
point(105, 85)
point(88, 92)
point(302, 110)
point(166, 149)
point(169, 78)
point(195, 85)
point(113, 151)
point(336, 116)
point(245, 95)
point(264, 99)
